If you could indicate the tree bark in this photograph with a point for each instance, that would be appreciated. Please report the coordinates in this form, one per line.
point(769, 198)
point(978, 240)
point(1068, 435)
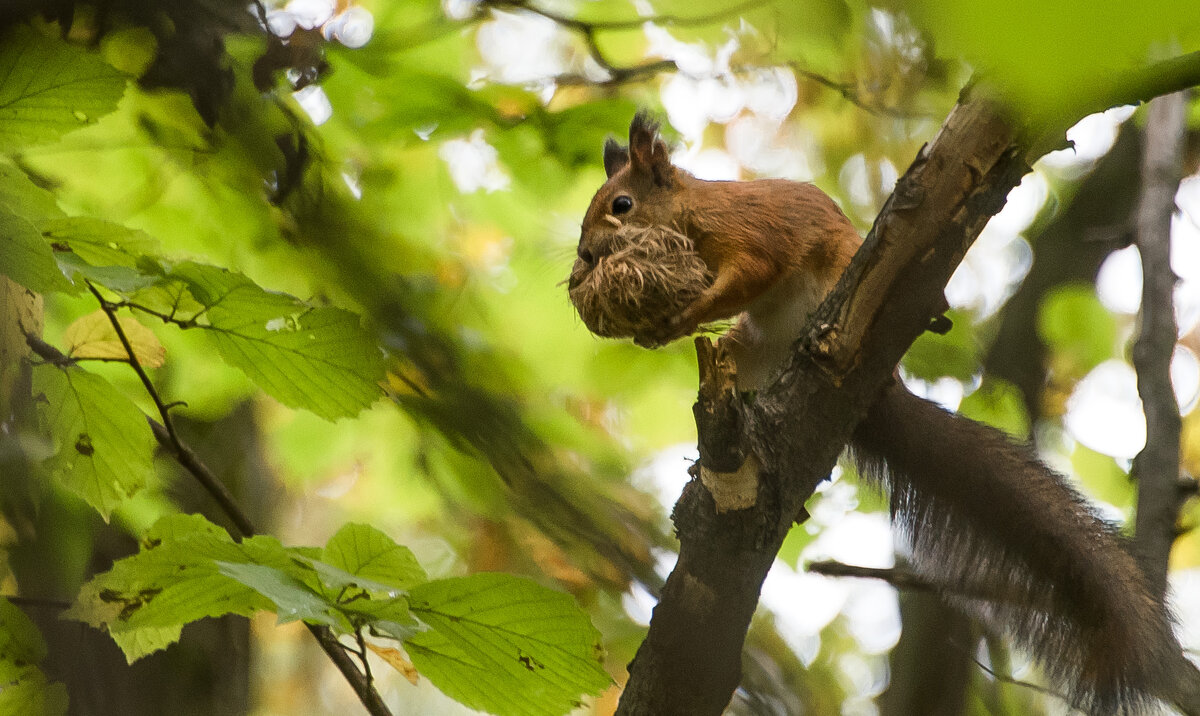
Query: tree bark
point(1156, 467)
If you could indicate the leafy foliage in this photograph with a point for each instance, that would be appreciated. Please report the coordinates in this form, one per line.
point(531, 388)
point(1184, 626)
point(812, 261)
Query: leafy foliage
point(103, 446)
point(23, 687)
point(318, 358)
point(25, 257)
point(49, 88)
point(496, 642)
point(505, 645)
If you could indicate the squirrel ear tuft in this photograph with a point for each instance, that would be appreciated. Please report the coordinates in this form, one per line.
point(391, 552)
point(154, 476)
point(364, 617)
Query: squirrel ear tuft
point(615, 157)
point(647, 151)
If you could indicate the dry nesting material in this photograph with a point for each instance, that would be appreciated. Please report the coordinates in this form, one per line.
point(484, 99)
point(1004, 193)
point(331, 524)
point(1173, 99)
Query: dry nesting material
point(647, 275)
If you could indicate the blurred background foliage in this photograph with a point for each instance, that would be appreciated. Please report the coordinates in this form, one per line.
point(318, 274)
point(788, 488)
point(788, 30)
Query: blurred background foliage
point(426, 164)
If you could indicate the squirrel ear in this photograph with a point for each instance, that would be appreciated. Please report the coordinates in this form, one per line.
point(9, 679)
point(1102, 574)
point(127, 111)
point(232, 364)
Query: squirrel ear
point(615, 157)
point(647, 152)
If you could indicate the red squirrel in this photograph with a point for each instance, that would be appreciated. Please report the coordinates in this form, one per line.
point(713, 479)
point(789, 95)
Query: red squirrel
point(984, 516)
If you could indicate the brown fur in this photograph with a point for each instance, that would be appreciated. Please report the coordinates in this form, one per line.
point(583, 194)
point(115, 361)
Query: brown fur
point(983, 514)
point(749, 233)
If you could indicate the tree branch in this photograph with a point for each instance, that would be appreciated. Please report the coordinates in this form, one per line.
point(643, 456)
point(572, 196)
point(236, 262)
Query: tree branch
point(1156, 467)
point(690, 660)
point(589, 31)
point(898, 577)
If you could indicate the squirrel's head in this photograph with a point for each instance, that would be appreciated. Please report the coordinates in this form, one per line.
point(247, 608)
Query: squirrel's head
point(643, 188)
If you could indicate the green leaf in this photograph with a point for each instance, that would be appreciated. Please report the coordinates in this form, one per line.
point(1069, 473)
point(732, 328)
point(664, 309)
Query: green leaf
point(21, 644)
point(48, 88)
point(506, 645)
point(1078, 329)
point(1103, 478)
point(99, 242)
point(107, 253)
point(998, 403)
point(104, 449)
point(363, 551)
point(955, 354)
point(390, 617)
point(1022, 44)
point(189, 569)
point(319, 359)
point(145, 599)
point(293, 600)
point(33, 696)
point(23, 687)
point(25, 257)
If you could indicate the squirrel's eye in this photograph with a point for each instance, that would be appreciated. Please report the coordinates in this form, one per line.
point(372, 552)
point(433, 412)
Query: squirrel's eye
point(622, 204)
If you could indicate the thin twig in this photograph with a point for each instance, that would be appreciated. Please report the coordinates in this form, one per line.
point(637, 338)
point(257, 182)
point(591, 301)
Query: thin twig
point(904, 578)
point(898, 577)
point(617, 75)
point(1017, 682)
point(135, 363)
point(36, 602)
point(362, 652)
point(585, 26)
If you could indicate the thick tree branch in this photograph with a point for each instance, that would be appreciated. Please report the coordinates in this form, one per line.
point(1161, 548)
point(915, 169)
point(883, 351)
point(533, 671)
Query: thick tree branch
point(1156, 467)
point(690, 660)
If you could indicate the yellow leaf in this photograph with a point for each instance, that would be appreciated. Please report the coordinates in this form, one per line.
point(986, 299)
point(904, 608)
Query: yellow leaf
point(396, 658)
point(92, 336)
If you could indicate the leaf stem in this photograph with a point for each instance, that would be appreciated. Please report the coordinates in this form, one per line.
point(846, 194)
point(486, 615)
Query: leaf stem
point(362, 654)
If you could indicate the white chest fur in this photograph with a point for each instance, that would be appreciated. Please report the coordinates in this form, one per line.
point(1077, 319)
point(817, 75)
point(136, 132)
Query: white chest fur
point(764, 334)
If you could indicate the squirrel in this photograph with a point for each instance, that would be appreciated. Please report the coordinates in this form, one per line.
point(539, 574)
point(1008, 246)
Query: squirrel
point(983, 514)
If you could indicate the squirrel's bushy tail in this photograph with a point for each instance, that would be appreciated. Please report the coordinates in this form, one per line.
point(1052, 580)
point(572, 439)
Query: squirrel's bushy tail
point(987, 519)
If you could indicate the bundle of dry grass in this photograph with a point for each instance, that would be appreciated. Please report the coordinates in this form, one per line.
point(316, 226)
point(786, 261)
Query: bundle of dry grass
point(649, 274)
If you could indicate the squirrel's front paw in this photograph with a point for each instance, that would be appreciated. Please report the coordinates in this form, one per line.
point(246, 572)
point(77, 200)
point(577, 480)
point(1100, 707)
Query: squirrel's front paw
point(667, 331)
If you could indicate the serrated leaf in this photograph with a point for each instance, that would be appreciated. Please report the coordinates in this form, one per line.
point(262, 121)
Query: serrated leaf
point(33, 696)
point(145, 599)
point(92, 336)
point(363, 551)
point(138, 642)
point(319, 359)
point(104, 449)
point(107, 253)
point(21, 197)
point(182, 527)
point(25, 257)
point(99, 242)
point(506, 645)
point(49, 88)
